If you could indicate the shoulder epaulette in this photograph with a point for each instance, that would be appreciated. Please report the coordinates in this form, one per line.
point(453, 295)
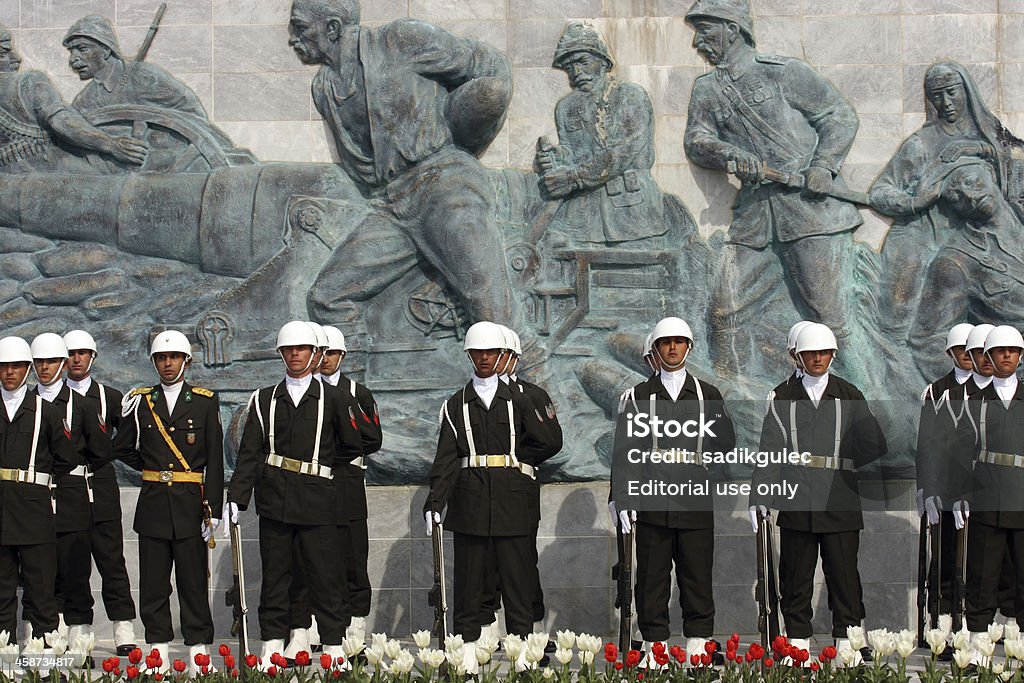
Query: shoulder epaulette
point(202, 392)
point(777, 60)
point(141, 391)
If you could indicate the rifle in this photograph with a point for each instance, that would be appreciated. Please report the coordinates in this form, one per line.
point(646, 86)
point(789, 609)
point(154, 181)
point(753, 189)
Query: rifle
point(151, 34)
point(235, 596)
point(766, 591)
point(960, 577)
point(438, 598)
point(935, 591)
point(798, 182)
point(922, 577)
point(624, 584)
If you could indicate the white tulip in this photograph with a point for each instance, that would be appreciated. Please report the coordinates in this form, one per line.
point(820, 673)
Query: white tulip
point(374, 654)
point(403, 662)
point(35, 646)
point(882, 642)
point(946, 623)
point(351, 646)
point(847, 654)
point(422, 638)
point(589, 643)
point(905, 649)
point(514, 646)
point(379, 639)
point(431, 657)
point(9, 653)
point(535, 652)
point(563, 655)
point(997, 668)
point(548, 673)
point(58, 642)
point(566, 639)
point(5, 638)
point(995, 631)
point(537, 639)
point(1011, 630)
point(392, 648)
point(453, 643)
point(984, 645)
point(936, 639)
point(586, 658)
point(1006, 675)
point(962, 639)
point(962, 658)
point(856, 636)
point(488, 642)
point(483, 654)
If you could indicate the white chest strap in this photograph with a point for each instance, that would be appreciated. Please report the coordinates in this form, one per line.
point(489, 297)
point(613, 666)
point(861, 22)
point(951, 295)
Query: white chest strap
point(36, 429)
point(103, 403)
point(700, 408)
point(352, 387)
point(469, 429)
point(981, 428)
point(839, 427)
point(319, 423)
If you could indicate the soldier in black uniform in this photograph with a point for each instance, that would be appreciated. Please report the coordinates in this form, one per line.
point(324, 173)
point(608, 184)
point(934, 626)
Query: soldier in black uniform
point(73, 490)
point(994, 502)
point(172, 433)
point(33, 450)
point(107, 532)
point(490, 444)
point(827, 419)
point(942, 405)
point(294, 476)
point(683, 533)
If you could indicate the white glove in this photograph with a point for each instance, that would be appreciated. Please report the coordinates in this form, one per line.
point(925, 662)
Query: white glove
point(626, 519)
point(919, 499)
point(961, 513)
point(229, 513)
point(431, 518)
point(933, 506)
point(757, 512)
point(614, 513)
point(208, 530)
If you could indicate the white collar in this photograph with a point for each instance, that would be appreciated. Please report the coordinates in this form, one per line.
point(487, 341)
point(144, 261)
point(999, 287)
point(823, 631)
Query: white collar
point(673, 381)
point(302, 382)
point(486, 388)
point(16, 395)
point(81, 386)
point(1004, 382)
point(50, 391)
point(961, 375)
point(505, 379)
point(980, 381)
point(816, 383)
point(332, 379)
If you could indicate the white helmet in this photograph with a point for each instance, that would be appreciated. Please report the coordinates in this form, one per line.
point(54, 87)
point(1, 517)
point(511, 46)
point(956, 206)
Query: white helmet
point(816, 337)
point(321, 336)
point(648, 345)
point(79, 339)
point(484, 335)
point(335, 339)
point(48, 345)
point(976, 339)
point(671, 327)
point(957, 335)
point(512, 341)
point(794, 332)
point(171, 341)
point(296, 333)
point(1004, 335)
point(15, 350)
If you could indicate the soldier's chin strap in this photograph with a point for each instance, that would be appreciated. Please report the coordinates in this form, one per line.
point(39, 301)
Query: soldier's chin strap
point(665, 365)
point(800, 363)
point(56, 375)
point(24, 380)
point(177, 378)
point(308, 365)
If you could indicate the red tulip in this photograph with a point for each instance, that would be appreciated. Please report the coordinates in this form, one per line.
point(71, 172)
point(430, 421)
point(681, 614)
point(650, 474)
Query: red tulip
point(224, 650)
point(679, 653)
point(749, 657)
point(710, 647)
point(272, 671)
point(153, 662)
point(611, 653)
point(632, 658)
point(302, 658)
point(135, 656)
point(694, 659)
point(828, 653)
point(158, 676)
point(756, 650)
point(815, 666)
point(730, 655)
point(658, 647)
point(325, 661)
point(336, 674)
point(618, 666)
point(234, 673)
point(705, 659)
point(768, 662)
point(117, 671)
point(251, 661)
point(132, 671)
point(179, 665)
point(202, 660)
point(108, 664)
point(229, 662)
point(339, 661)
point(640, 676)
point(278, 660)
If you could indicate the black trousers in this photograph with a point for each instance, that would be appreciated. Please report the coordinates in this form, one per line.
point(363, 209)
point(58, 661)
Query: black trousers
point(36, 565)
point(108, 553)
point(357, 551)
point(188, 556)
point(492, 602)
point(987, 549)
point(942, 581)
point(798, 556)
point(74, 567)
point(474, 584)
point(309, 554)
point(693, 553)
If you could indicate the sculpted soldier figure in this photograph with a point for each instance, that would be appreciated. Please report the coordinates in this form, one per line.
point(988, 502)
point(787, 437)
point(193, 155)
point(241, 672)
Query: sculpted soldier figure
point(409, 105)
point(34, 119)
point(754, 110)
point(602, 164)
point(957, 125)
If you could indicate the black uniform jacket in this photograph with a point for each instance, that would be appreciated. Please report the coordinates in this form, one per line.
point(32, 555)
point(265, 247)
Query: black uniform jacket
point(106, 495)
point(825, 500)
point(172, 511)
point(942, 408)
point(996, 494)
point(695, 510)
point(26, 511)
point(488, 501)
point(92, 445)
point(292, 497)
point(350, 481)
point(544, 408)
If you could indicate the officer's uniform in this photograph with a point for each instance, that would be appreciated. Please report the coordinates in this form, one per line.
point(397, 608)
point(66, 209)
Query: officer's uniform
point(107, 532)
point(683, 533)
point(169, 514)
point(841, 435)
point(74, 496)
point(295, 478)
point(484, 471)
point(33, 450)
point(996, 498)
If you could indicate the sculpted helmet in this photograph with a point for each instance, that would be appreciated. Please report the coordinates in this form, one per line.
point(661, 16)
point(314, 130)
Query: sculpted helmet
point(736, 11)
point(580, 37)
point(95, 28)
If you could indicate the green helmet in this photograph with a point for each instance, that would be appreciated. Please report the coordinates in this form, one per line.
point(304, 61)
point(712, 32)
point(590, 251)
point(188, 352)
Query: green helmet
point(95, 28)
point(736, 11)
point(580, 37)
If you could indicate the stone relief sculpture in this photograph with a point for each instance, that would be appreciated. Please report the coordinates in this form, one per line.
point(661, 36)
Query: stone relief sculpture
point(755, 112)
point(408, 238)
point(958, 124)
